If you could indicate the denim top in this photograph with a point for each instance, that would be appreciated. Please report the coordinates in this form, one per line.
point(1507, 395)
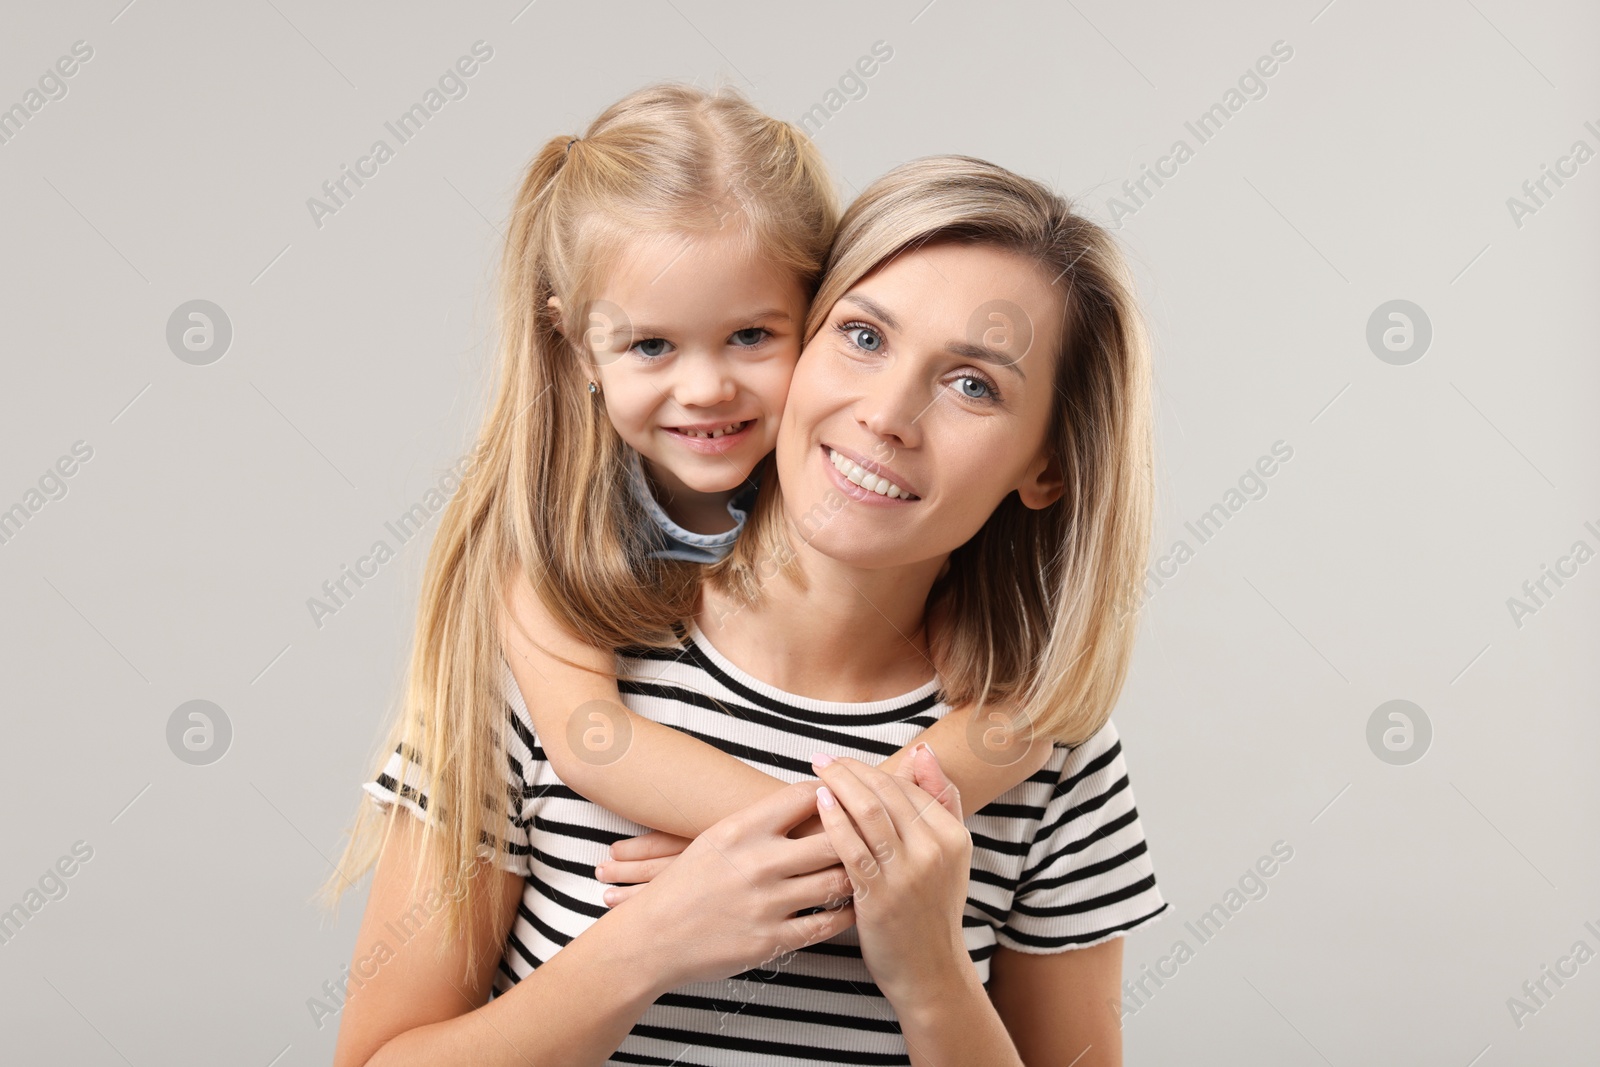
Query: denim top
point(668, 540)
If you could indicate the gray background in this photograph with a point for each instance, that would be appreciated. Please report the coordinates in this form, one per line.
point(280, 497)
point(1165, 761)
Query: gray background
point(1377, 567)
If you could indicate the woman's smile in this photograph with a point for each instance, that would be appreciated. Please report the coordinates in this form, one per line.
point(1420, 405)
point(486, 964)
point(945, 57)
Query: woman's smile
point(881, 403)
point(866, 480)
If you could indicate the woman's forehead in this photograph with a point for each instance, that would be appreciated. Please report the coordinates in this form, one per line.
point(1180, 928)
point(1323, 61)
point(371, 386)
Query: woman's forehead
point(980, 294)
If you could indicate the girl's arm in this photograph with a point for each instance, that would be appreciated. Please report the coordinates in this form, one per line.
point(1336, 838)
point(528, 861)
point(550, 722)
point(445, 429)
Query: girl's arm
point(983, 758)
point(663, 778)
point(630, 764)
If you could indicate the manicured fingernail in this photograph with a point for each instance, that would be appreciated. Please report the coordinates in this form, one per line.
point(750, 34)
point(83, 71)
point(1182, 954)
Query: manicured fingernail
point(923, 745)
point(821, 759)
point(600, 873)
point(609, 896)
point(825, 797)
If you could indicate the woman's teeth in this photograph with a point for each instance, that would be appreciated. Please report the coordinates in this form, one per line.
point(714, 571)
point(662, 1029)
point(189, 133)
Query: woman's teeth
point(732, 427)
point(865, 478)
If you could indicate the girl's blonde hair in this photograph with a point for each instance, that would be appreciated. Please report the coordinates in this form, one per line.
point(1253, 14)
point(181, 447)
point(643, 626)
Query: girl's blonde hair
point(546, 497)
point(1032, 611)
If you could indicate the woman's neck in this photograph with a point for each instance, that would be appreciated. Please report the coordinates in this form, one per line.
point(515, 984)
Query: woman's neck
point(850, 635)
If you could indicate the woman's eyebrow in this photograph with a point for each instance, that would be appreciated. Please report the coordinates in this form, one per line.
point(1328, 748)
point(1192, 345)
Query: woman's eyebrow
point(964, 349)
point(985, 354)
point(873, 308)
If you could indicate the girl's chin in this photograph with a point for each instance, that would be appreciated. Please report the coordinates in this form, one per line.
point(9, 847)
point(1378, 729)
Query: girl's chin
point(723, 478)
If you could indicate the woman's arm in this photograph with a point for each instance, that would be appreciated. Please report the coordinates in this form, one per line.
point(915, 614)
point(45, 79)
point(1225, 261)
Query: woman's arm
point(951, 1020)
point(727, 905)
point(417, 1006)
point(909, 859)
point(1058, 1006)
point(1052, 1009)
point(668, 780)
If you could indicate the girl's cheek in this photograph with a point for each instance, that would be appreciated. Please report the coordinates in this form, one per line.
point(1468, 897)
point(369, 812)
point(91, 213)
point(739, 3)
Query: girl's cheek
point(629, 413)
point(775, 385)
point(784, 384)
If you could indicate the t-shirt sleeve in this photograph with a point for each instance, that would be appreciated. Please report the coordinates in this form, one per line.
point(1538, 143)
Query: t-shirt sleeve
point(1088, 874)
point(403, 781)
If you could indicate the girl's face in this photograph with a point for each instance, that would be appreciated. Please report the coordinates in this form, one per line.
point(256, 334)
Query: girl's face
point(922, 401)
point(695, 340)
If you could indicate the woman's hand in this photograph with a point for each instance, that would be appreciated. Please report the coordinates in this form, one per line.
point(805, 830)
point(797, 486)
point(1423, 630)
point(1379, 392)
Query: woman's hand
point(637, 860)
point(727, 903)
point(909, 858)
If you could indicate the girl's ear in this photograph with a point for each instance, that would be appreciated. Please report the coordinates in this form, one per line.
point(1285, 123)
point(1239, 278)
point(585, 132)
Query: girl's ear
point(1042, 484)
point(555, 305)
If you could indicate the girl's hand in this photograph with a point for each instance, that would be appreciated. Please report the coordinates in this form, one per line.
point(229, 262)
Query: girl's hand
point(638, 860)
point(909, 858)
point(727, 903)
point(930, 778)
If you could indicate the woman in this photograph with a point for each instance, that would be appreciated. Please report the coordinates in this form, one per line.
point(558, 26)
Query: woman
point(975, 345)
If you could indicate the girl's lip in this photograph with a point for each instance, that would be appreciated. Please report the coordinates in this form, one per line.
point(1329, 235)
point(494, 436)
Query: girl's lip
point(712, 445)
point(854, 491)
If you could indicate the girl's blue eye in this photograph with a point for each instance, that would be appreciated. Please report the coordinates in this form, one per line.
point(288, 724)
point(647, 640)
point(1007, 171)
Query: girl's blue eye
point(652, 347)
point(749, 338)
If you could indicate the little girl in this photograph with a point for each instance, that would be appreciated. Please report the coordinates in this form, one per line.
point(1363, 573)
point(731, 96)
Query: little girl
point(655, 285)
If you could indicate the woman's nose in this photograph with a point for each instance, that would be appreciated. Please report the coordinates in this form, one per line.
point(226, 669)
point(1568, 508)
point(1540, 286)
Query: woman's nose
point(892, 406)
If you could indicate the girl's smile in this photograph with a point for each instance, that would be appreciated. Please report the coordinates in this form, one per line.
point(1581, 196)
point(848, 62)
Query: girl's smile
point(712, 438)
point(694, 368)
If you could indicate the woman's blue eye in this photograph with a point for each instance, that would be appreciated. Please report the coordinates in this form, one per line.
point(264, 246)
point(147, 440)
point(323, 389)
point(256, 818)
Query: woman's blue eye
point(749, 337)
point(974, 388)
point(651, 347)
point(865, 337)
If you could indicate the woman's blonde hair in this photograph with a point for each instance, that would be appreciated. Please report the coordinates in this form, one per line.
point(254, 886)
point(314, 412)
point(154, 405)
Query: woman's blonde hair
point(1031, 612)
point(546, 497)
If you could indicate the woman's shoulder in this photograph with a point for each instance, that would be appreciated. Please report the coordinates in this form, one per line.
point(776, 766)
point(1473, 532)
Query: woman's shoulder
point(1102, 750)
point(1088, 873)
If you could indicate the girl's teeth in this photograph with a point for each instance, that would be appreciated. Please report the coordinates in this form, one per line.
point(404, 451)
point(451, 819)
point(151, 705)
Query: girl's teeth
point(732, 427)
point(865, 478)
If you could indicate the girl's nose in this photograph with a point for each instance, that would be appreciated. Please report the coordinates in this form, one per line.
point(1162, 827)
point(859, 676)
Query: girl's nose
point(702, 382)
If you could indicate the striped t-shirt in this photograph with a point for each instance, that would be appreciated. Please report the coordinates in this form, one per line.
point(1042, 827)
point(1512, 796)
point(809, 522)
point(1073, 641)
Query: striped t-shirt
point(1058, 862)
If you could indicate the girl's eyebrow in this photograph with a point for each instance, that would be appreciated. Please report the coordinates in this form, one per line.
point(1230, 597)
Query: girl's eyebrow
point(872, 307)
point(641, 330)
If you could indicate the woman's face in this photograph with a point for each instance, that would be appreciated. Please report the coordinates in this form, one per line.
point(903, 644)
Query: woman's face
point(922, 401)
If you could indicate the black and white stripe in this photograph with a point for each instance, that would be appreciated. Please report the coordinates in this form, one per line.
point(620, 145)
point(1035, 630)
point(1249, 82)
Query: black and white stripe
point(1059, 862)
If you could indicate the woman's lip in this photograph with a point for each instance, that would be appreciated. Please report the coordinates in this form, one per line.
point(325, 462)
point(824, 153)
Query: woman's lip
point(854, 491)
point(875, 468)
point(712, 445)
